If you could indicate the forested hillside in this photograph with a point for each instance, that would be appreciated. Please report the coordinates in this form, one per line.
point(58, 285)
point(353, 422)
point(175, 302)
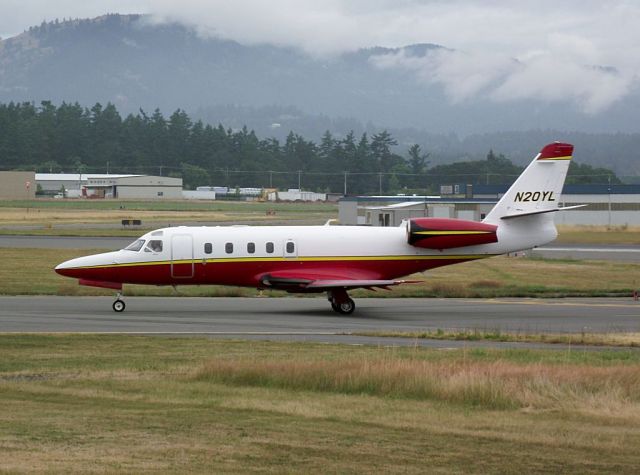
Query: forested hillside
point(71, 138)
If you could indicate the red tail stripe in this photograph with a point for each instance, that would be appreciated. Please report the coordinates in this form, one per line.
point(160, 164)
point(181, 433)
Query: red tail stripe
point(555, 150)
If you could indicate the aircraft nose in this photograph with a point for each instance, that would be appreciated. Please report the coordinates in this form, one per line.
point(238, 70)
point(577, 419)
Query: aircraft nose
point(73, 267)
point(63, 268)
point(87, 267)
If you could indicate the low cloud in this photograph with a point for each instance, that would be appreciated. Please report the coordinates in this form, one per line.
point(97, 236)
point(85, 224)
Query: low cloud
point(462, 75)
point(541, 76)
point(499, 49)
point(546, 78)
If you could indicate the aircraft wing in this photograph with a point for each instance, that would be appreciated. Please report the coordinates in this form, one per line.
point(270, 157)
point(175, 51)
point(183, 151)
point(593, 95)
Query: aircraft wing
point(319, 281)
point(322, 284)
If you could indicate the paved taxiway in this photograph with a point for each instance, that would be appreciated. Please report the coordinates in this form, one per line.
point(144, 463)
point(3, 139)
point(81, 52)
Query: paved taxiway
point(608, 252)
point(310, 319)
point(65, 242)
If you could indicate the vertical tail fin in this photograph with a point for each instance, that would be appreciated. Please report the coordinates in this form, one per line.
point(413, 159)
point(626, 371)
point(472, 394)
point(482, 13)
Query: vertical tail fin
point(538, 188)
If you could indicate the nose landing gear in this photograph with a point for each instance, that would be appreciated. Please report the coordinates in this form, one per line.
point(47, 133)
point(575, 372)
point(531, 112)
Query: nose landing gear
point(341, 302)
point(118, 305)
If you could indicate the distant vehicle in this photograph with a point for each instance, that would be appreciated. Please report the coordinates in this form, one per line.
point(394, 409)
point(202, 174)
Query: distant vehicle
point(334, 259)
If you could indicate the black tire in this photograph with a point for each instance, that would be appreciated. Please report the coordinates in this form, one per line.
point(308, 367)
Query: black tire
point(347, 307)
point(118, 306)
point(335, 307)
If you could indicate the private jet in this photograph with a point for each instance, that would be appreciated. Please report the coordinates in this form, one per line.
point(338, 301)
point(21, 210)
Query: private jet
point(334, 259)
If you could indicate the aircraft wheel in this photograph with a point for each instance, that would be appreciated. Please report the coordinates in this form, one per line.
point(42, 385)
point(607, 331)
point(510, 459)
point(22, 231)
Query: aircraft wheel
point(347, 307)
point(118, 306)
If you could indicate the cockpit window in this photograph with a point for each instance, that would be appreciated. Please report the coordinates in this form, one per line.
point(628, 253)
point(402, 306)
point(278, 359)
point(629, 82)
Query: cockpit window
point(155, 245)
point(135, 246)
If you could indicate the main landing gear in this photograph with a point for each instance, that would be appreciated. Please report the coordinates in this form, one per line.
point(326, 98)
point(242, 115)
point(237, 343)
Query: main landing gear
point(341, 302)
point(118, 305)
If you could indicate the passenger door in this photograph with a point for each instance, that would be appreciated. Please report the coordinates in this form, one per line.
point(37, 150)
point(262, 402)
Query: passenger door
point(182, 256)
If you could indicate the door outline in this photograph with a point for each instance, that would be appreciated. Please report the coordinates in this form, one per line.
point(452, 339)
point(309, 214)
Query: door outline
point(181, 271)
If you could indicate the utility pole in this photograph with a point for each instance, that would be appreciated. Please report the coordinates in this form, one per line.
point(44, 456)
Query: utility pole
point(345, 183)
point(270, 178)
point(609, 193)
point(380, 184)
point(299, 179)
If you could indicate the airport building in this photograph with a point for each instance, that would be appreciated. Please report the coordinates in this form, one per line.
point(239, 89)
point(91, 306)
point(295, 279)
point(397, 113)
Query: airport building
point(295, 194)
point(135, 187)
point(74, 185)
point(17, 185)
point(615, 205)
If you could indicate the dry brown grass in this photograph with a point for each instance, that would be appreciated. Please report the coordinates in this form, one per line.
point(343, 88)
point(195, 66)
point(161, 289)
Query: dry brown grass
point(492, 385)
point(50, 213)
point(107, 404)
point(631, 340)
point(51, 217)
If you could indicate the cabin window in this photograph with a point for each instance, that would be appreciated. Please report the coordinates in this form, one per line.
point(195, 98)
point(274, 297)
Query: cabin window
point(251, 247)
point(208, 248)
point(228, 247)
point(291, 247)
point(135, 246)
point(155, 245)
point(269, 248)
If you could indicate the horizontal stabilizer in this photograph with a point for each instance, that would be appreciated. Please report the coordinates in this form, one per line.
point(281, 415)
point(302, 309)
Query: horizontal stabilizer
point(531, 213)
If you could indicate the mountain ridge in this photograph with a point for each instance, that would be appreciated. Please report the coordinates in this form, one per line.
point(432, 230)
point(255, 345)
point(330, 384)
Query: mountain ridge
point(133, 62)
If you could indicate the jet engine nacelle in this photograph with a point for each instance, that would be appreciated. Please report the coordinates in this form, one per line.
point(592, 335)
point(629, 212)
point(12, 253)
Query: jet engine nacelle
point(444, 233)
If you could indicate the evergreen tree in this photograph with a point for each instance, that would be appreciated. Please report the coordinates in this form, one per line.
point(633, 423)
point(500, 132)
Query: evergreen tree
point(417, 165)
point(71, 138)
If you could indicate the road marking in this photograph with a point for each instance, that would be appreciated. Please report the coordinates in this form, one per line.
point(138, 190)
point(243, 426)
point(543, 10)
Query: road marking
point(174, 333)
point(558, 304)
point(585, 249)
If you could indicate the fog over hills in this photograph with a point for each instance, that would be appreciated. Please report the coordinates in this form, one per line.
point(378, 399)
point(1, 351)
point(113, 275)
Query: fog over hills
point(135, 63)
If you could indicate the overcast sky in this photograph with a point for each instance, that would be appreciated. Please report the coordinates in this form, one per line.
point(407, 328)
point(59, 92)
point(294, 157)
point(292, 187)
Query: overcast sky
point(560, 47)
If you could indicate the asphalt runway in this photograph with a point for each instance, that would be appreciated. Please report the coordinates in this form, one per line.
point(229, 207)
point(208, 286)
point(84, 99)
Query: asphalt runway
point(65, 242)
point(608, 252)
point(612, 252)
point(310, 319)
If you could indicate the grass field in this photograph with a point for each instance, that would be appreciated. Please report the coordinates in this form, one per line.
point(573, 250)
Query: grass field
point(48, 215)
point(105, 404)
point(88, 217)
point(30, 272)
point(631, 340)
point(598, 235)
point(164, 205)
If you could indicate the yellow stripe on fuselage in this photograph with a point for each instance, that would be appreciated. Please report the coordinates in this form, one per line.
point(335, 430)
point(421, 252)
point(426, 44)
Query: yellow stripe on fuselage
point(557, 158)
point(297, 259)
point(449, 233)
